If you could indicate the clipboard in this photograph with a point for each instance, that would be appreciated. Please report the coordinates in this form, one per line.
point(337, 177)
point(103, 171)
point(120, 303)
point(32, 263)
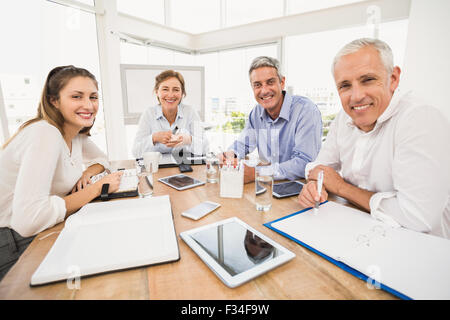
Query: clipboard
point(428, 265)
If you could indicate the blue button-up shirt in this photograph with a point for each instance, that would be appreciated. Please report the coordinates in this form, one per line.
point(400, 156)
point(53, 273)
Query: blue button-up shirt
point(288, 142)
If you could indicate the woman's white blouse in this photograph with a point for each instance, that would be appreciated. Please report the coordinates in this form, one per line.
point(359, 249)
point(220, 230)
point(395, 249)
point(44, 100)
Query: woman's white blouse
point(36, 171)
point(153, 120)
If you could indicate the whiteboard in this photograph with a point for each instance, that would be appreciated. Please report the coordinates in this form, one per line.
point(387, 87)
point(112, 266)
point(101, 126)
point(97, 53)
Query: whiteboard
point(138, 82)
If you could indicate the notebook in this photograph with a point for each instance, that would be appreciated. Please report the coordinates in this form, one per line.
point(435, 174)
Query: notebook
point(111, 236)
point(409, 264)
point(168, 160)
point(128, 184)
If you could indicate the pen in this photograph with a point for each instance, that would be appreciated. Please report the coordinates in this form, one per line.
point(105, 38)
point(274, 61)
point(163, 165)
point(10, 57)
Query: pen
point(319, 190)
point(148, 181)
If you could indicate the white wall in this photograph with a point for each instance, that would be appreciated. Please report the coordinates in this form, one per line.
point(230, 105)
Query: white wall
point(427, 60)
point(4, 132)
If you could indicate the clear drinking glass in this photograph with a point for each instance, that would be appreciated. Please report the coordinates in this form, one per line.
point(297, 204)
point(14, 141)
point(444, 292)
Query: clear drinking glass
point(145, 180)
point(263, 187)
point(212, 168)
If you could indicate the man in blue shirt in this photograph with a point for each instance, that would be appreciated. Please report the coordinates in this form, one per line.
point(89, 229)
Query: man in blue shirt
point(287, 130)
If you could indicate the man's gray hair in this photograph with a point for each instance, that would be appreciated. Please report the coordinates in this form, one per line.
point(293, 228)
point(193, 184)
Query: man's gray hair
point(382, 47)
point(265, 61)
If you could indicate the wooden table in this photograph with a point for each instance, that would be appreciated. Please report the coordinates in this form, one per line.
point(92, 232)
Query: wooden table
point(307, 276)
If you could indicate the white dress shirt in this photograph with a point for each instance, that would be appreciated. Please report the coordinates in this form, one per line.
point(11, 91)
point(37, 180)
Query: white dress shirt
point(153, 120)
point(405, 160)
point(36, 171)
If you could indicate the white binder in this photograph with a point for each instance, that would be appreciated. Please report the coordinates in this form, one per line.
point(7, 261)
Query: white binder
point(111, 236)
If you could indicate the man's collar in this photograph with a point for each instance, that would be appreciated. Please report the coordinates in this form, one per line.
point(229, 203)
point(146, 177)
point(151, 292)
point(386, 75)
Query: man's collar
point(285, 109)
point(390, 111)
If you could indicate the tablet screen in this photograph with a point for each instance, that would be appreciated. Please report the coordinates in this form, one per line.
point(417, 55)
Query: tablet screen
point(181, 181)
point(288, 188)
point(234, 247)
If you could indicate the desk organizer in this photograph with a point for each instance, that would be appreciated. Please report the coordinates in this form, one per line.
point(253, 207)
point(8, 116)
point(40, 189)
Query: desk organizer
point(232, 181)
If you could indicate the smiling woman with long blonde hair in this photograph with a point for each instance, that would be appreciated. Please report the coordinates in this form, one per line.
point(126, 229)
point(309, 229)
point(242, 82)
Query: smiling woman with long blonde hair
point(42, 180)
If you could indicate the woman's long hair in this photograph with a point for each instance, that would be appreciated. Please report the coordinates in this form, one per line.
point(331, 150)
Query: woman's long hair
point(57, 79)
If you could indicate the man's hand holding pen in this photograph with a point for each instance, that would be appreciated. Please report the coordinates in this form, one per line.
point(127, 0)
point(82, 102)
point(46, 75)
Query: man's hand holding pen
point(310, 195)
point(227, 157)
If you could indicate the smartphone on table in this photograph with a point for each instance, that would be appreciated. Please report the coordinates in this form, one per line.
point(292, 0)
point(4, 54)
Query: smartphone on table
point(185, 167)
point(200, 210)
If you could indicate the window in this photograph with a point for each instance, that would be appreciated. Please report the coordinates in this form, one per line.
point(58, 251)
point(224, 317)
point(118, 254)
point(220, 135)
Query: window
point(152, 10)
point(195, 16)
point(43, 36)
point(227, 84)
point(242, 12)
point(229, 97)
point(309, 57)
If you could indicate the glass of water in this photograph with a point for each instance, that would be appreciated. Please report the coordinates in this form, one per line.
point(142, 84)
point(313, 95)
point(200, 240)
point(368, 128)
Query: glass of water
point(145, 180)
point(212, 168)
point(263, 187)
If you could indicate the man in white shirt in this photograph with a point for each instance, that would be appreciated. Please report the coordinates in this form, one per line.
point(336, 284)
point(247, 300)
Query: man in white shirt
point(385, 152)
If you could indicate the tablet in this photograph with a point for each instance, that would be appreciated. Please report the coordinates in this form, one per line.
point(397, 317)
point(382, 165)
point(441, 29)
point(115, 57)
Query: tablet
point(234, 251)
point(287, 189)
point(181, 181)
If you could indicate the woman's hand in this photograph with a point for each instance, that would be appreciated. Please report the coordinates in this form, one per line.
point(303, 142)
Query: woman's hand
point(78, 199)
point(113, 179)
point(162, 137)
point(86, 177)
point(177, 140)
point(83, 181)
